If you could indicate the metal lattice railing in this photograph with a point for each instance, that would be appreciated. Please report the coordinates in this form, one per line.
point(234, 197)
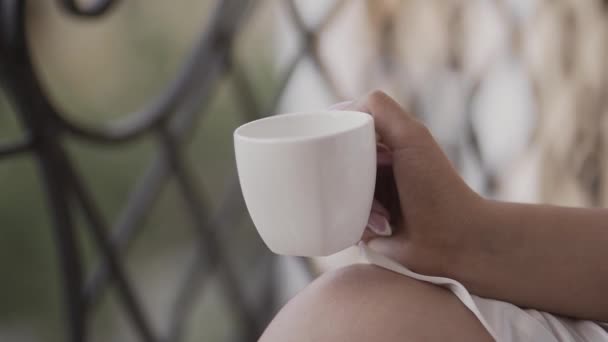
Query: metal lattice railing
point(170, 120)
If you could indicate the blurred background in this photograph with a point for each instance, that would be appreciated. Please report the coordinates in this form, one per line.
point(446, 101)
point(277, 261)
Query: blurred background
point(139, 104)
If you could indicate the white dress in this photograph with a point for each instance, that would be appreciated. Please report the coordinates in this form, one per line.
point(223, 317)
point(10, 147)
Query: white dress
point(504, 321)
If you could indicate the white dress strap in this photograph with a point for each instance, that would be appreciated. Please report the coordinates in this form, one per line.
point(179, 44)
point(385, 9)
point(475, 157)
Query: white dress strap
point(459, 290)
point(505, 322)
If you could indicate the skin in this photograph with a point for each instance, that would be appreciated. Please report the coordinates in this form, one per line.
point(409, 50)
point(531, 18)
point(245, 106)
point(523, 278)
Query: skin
point(367, 303)
point(548, 258)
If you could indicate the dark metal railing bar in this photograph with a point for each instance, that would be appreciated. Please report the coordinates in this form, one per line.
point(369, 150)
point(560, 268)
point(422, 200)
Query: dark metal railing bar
point(274, 101)
point(331, 14)
point(234, 200)
point(66, 243)
point(98, 229)
point(249, 106)
point(143, 197)
point(308, 267)
point(190, 288)
point(231, 210)
point(192, 284)
point(294, 13)
point(10, 34)
point(232, 203)
point(269, 301)
point(316, 55)
point(182, 88)
point(192, 195)
point(239, 77)
point(28, 99)
point(216, 68)
point(50, 165)
point(473, 140)
point(96, 9)
point(146, 192)
point(310, 36)
point(311, 41)
point(140, 202)
point(183, 303)
point(15, 147)
point(11, 50)
point(287, 75)
point(326, 75)
point(181, 104)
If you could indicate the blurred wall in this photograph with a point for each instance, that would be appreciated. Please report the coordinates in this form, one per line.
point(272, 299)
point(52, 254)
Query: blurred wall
point(513, 90)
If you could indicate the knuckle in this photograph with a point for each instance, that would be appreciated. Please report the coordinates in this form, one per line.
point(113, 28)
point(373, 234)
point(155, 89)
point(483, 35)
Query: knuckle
point(376, 98)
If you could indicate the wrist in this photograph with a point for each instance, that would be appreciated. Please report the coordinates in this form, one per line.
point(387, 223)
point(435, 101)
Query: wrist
point(483, 246)
point(474, 239)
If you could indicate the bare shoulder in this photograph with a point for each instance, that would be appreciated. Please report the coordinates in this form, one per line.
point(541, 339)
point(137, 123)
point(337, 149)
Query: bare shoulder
point(368, 303)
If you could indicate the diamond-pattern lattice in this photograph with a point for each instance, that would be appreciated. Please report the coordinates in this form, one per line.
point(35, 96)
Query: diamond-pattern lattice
point(514, 91)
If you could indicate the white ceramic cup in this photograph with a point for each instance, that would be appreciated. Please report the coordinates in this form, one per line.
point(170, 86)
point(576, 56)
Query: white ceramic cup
point(308, 179)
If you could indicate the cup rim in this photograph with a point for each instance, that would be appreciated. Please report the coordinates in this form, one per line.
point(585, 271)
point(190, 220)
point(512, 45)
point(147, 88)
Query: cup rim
point(366, 119)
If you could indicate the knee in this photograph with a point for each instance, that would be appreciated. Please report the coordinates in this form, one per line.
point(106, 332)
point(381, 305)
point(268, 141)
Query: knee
point(368, 303)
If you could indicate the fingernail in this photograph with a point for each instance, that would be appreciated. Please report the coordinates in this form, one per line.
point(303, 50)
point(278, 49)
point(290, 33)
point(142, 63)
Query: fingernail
point(341, 105)
point(381, 147)
point(380, 209)
point(378, 224)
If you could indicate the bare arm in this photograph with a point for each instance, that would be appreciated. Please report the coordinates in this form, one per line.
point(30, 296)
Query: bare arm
point(550, 258)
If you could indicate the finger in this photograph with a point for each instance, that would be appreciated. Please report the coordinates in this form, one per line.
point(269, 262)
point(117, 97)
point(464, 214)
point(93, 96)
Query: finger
point(378, 224)
point(371, 234)
point(380, 209)
point(395, 126)
point(367, 235)
point(344, 105)
point(384, 155)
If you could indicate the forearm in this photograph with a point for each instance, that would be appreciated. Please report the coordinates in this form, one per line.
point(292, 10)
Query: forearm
point(549, 258)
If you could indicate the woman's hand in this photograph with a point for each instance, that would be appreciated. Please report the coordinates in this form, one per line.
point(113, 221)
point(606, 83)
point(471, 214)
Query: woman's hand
point(417, 191)
point(543, 257)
